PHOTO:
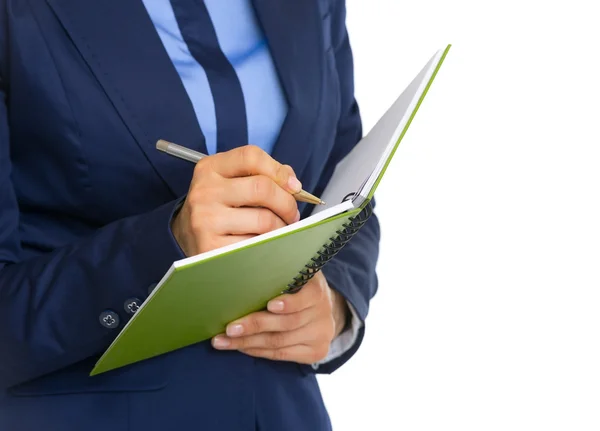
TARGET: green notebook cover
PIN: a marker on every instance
(195, 301)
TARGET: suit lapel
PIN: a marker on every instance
(119, 43)
(294, 33)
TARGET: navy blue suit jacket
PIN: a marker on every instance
(86, 90)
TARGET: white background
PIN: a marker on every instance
(488, 310)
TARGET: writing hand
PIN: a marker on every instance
(233, 196)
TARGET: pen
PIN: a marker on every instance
(195, 156)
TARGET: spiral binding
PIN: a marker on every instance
(329, 251)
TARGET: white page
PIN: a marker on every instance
(361, 167)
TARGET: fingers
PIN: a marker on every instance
(243, 177)
(301, 329)
(243, 221)
(272, 340)
(264, 321)
(269, 340)
(261, 191)
(311, 294)
(252, 160)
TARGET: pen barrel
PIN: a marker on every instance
(195, 156)
(181, 152)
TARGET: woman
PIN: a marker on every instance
(92, 215)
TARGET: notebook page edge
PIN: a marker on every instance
(429, 69)
(308, 221)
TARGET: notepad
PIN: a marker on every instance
(200, 295)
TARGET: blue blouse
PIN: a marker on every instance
(241, 40)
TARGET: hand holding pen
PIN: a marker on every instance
(195, 156)
(234, 196)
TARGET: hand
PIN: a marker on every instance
(296, 327)
(233, 196)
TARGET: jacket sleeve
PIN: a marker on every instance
(50, 305)
(352, 271)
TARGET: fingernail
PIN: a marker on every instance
(294, 184)
(221, 342)
(275, 306)
(234, 330)
(297, 216)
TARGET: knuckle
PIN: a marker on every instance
(202, 167)
(240, 343)
(255, 325)
(263, 187)
(194, 197)
(256, 187)
(198, 219)
(280, 355)
(275, 340)
(253, 150)
(266, 221)
(203, 193)
(196, 225)
(250, 155)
